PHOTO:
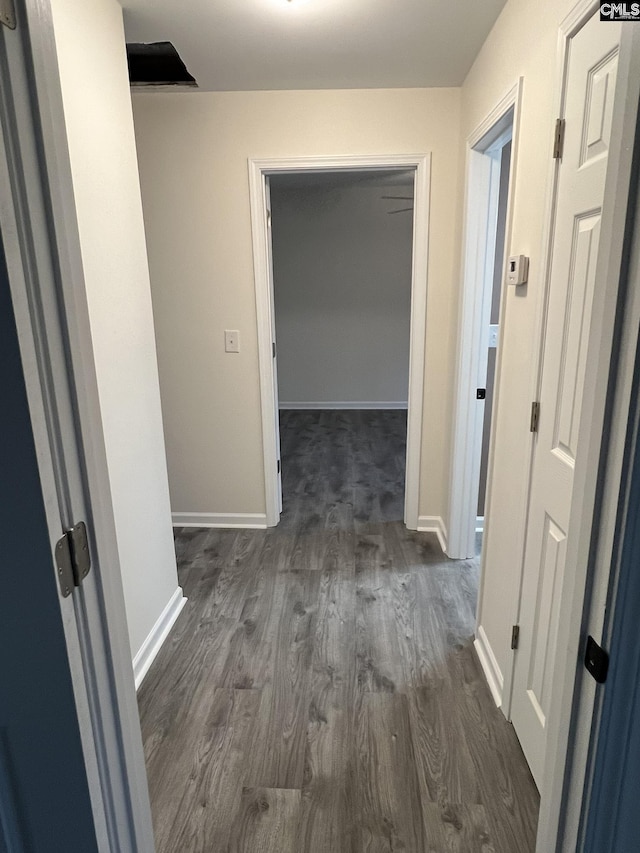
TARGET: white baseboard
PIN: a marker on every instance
(489, 665)
(348, 405)
(159, 633)
(252, 520)
(479, 523)
(434, 524)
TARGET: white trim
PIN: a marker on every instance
(158, 634)
(489, 664)
(258, 171)
(482, 182)
(493, 125)
(245, 520)
(434, 524)
(348, 405)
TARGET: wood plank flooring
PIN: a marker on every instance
(319, 693)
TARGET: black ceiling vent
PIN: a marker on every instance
(157, 64)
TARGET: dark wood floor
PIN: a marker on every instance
(319, 693)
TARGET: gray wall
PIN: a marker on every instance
(342, 273)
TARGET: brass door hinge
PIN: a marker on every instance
(535, 416)
(558, 139)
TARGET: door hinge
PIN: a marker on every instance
(535, 416)
(273, 348)
(8, 14)
(279, 466)
(558, 139)
(515, 636)
(73, 560)
(268, 218)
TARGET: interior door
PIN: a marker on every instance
(589, 93)
(267, 191)
(613, 817)
(44, 794)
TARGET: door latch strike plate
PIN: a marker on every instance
(596, 661)
(8, 14)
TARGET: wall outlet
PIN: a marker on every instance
(231, 340)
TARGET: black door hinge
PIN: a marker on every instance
(515, 636)
(535, 416)
(558, 139)
(73, 560)
(481, 393)
(8, 14)
(279, 466)
(273, 348)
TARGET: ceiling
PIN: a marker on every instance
(244, 45)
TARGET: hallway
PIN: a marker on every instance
(319, 693)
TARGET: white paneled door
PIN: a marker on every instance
(589, 94)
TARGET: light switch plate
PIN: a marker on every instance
(231, 340)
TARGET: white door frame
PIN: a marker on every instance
(258, 172)
(40, 234)
(482, 189)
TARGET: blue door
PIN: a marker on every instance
(44, 797)
(613, 818)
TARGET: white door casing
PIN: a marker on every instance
(276, 393)
(259, 171)
(40, 235)
(478, 262)
(589, 88)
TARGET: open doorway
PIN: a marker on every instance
(342, 259)
(365, 170)
(487, 218)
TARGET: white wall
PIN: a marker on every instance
(193, 150)
(95, 88)
(504, 58)
(342, 281)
